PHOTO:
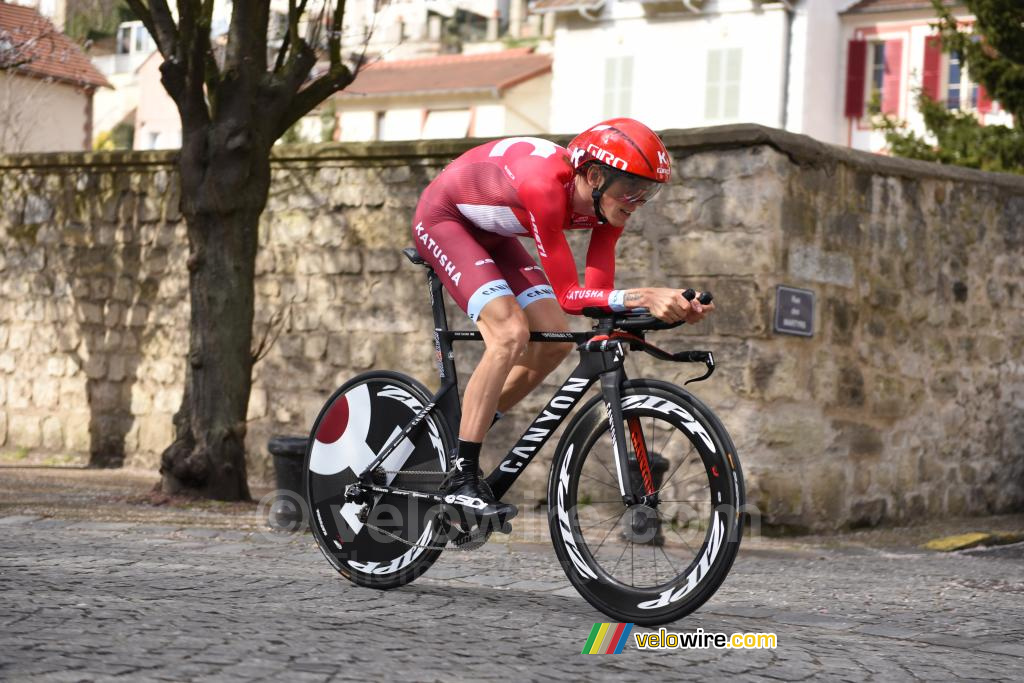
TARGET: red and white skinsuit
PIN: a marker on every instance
(468, 221)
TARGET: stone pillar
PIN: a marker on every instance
(434, 28)
(492, 26)
(548, 30)
(533, 25)
(516, 12)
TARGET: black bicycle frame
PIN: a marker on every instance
(604, 363)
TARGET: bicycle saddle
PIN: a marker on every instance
(414, 256)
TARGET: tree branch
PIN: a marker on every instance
(304, 101)
(211, 74)
(334, 40)
(291, 36)
(247, 36)
(23, 46)
(159, 21)
(192, 49)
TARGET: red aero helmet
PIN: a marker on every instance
(625, 144)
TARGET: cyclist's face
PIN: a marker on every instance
(625, 195)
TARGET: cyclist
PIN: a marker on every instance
(466, 226)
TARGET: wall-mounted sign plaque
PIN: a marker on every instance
(794, 311)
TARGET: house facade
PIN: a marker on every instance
(450, 96)
(46, 101)
(157, 122)
(693, 63)
(117, 107)
(807, 66)
(892, 50)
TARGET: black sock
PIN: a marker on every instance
(468, 458)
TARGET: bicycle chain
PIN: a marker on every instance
(421, 473)
(473, 539)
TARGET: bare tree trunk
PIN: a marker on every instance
(207, 457)
(232, 109)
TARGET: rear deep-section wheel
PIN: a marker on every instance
(355, 424)
(653, 562)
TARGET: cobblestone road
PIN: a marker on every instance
(138, 601)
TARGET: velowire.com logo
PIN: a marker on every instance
(610, 639)
(607, 639)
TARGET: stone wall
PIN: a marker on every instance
(907, 401)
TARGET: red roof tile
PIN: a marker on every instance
(449, 73)
(49, 53)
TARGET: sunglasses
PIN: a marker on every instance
(631, 189)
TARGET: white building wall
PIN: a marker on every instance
(157, 123)
(112, 105)
(527, 107)
(489, 120)
(816, 86)
(42, 116)
(670, 64)
(358, 125)
(401, 123)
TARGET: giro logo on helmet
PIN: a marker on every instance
(606, 157)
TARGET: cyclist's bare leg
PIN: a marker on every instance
(506, 332)
(540, 358)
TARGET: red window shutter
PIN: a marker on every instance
(932, 75)
(891, 82)
(984, 101)
(856, 72)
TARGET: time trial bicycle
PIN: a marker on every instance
(645, 493)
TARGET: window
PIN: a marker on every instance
(124, 39)
(400, 124)
(722, 92)
(873, 69)
(618, 86)
(877, 69)
(446, 123)
(960, 92)
(946, 79)
(143, 43)
(133, 38)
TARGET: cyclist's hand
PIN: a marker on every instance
(696, 310)
(669, 305)
(665, 304)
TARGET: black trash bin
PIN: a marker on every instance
(288, 511)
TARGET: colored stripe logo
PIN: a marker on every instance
(607, 639)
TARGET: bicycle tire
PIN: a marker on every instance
(358, 420)
(663, 601)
